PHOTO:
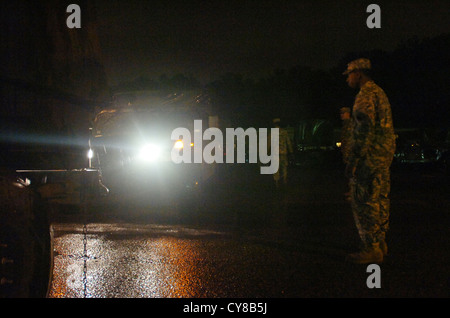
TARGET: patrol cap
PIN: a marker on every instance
(359, 64)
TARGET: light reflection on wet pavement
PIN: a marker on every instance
(293, 248)
(128, 260)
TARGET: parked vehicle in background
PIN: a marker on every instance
(316, 143)
(416, 146)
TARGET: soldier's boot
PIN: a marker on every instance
(368, 255)
(384, 247)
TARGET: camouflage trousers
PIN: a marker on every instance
(282, 172)
(370, 189)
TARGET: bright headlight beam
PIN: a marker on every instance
(90, 154)
(149, 153)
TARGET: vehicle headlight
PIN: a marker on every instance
(149, 153)
(90, 154)
(178, 144)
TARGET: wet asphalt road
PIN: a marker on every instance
(249, 240)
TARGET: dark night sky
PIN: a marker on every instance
(209, 38)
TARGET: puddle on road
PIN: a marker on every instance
(128, 260)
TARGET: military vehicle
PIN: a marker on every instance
(132, 142)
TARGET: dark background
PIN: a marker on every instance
(256, 59)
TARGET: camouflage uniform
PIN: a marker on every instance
(346, 133)
(371, 153)
(284, 149)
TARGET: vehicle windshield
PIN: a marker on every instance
(142, 122)
(148, 111)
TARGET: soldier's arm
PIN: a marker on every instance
(365, 116)
(289, 144)
(346, 131)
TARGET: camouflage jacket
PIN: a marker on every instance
(373, 137)
(346, 135)
(284, 143)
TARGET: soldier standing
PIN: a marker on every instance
(285, 148)
(371, 153)
(346, 138)
(345, 133)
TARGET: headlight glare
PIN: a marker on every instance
(90, 154)
(178, 144)
(149, 153)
